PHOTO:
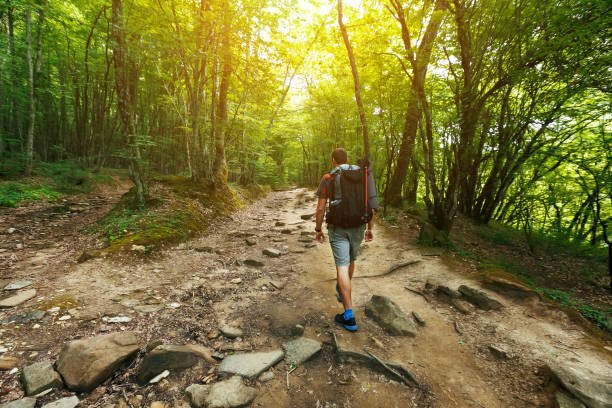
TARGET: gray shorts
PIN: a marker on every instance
(345, 243)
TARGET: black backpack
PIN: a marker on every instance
(348, 206)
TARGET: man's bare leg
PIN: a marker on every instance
(344, 274)
(351, 269)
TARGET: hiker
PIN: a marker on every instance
(352, 198)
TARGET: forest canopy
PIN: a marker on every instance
(495, 109)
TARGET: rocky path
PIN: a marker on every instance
(244, 315)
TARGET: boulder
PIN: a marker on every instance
(40, 376)
(445, 290)
(18, 299)
(196, 394)
(563, 400)
(25, 317)
(301, 349)
(230, 394)
(21, 403)
(479, 298)
(250, 365)
(86, 363)
(68, 402)
(594, 390)
(389, 316)
(166, 357)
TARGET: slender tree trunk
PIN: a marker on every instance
(126, 100)
(220, 165)
(349, 49)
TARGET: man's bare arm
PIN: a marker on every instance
(319, 217)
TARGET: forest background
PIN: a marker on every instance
(495, 110)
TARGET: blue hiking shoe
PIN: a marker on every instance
(348, 324)
(338, 294)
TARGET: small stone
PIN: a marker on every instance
(278, 285)
(236, 281)
(11, 230)
(267, 376)
(479, 298)
(307, 216)
(250, 241)
(230, 393)
(7, 363)
(297, 330)
(389, 316)
(116, 319)
(18, 299)
(271, 252)
(68, 402)
(65, 317)
(218, 356)
(213, 334)
(17, 285)
(253, 262)
(19, 246)
(196, 394)
(159, 377)
(498, 352)
(165, 357)
(139, 248)
(40, 376)
(279, 224)
(21, 403)
(301, 349)
(230, 332)
(175, 305)
(287, 231)
(418, 319)
(250, 365)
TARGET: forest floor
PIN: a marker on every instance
(184, 293)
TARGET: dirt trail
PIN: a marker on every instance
(183, 294)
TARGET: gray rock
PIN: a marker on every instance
(39, 377)
(498, 351)
(267, 376)
(230, 332)
(479, 298)
(68, 402)
(389, 316)
(563, 400)
(230, 394)
(165, 357)
(301, 349)
(418, 319)
(86, 363)
(17, 285)
(445, 290)
(250, 365)
(307, 216)
(253, 262)
(18, 299)
(22, 403)
(594, 390)
(22, 318)
(271, 252)
(196, 394)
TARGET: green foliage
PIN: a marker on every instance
(599, 317)
(12, 193)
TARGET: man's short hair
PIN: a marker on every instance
(340, 155)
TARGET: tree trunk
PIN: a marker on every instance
(349, 49)
(126, 87)
(220, 165)
(31, 95)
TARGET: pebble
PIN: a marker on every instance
(159, 377)
(175, 305)
(65, 317)
(117, 319)
(236, 281)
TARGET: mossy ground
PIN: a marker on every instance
(178, 210)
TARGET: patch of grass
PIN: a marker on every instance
(601, 318)
(13, 193)
(390, 219)
(559, 296)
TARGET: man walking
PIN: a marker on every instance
(352, 195)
